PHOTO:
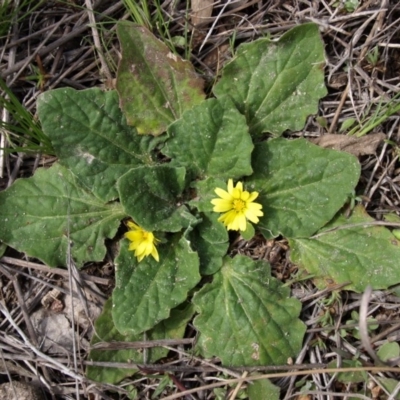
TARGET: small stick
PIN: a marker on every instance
(339, 109)
(22, 305)
(62, 368)
(238, 386)
(96, 40)
(363, 328)
(56, 271)
(140, 344)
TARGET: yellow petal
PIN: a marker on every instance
(242, 221)
(134, 236)
(221, 205)
(223, 194)
(145, 248)
(253, 196)
(132, 225)
(132, 246)
(228, 217)
(245, 196)
(232, 220)
(154, 253)
(234, 225)
(139, 256)
(236, 193)
(254, 206)
(252, 215)
(239, 186)
(230, 186)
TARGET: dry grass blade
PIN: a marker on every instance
(96, 40)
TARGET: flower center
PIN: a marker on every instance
(238, 205)
(146, 236)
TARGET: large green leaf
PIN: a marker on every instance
(301, 185)
(212, 139)
(155, 85)
(105, 331)
(150, 196)
(91, 137)
(246, 316)
(43, 215)
(277, 84)
(350, 250)
(145, 292)
(210, 240)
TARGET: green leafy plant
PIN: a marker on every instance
(372, 325)
(11, 12)
(178, 170)
(23, 131)
(373, 56)
(374, 117)
(347, 5)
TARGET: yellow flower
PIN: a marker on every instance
(143, 242)
(237, 206)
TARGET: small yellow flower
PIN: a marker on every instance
(143, 242)
(237, 206)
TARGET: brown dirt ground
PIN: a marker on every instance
(56, 40)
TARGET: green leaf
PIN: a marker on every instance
(145, 292)
(91, 138)
(150, 195)
(205, 192)
(212, 139)
(43, 214)
(277, 84)
(246, 316)
(389, 385)
(350, 250)
(263, 389)
(210, 240)
(347, 124)
(301, 185)
(350, 377)
(155, 85)
(249, 232)
(388, 350)
(105, 331)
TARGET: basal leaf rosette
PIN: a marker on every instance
(146, 292)
(49, 215)
(277, 84)
(350, 250)
(301, 186)
(255, 323)
(91, 138)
